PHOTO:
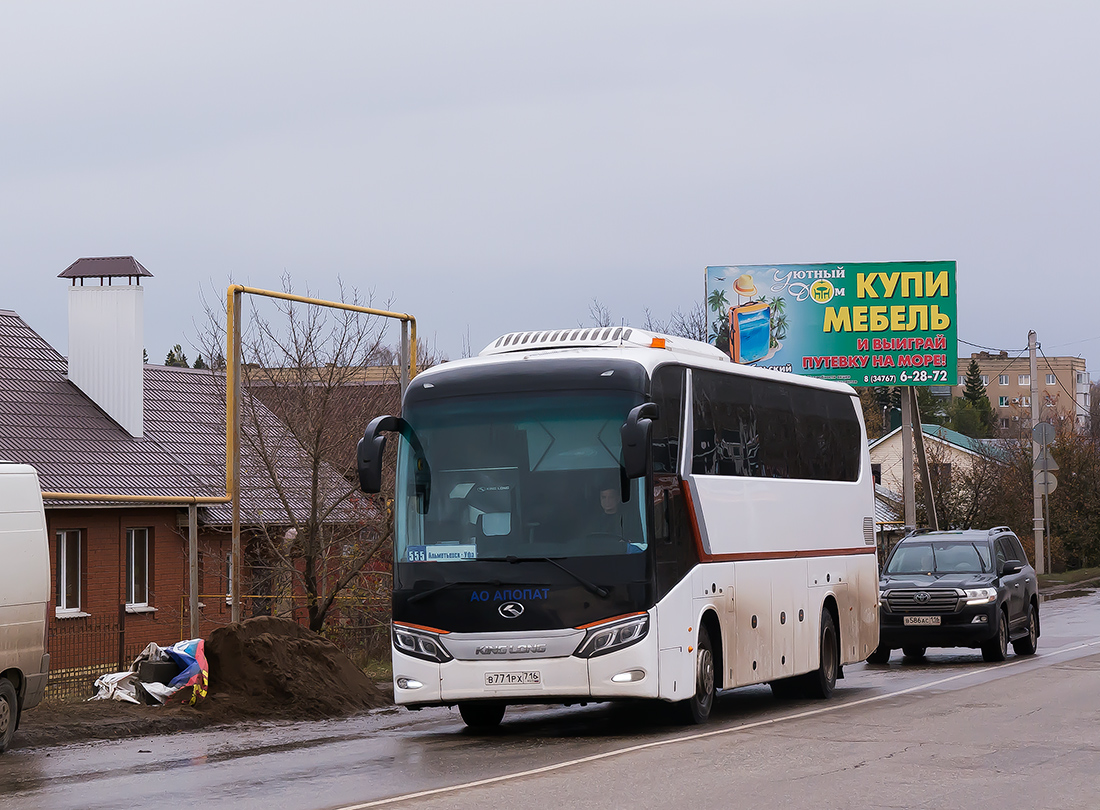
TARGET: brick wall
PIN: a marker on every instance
(103, 573)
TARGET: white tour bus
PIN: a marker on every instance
(606, 513)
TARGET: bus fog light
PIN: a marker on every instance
(408, 683)
(628, 677)
(983, 619)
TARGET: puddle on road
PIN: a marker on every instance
(1046, 597)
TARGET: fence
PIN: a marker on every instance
(82, 650)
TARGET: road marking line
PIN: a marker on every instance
(508, 777)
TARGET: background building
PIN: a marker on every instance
(1063, 386)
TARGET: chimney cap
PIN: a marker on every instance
(105, 267)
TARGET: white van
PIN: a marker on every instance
(24, 595)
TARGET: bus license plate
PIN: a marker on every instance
(511, 678)
(921, 620)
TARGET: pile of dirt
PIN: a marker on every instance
(270, 667)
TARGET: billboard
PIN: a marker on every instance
(865, 324)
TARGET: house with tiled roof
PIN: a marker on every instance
(101, 421)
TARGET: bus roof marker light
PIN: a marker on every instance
(657, 343)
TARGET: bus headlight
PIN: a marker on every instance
(613, 634)
(419, 643)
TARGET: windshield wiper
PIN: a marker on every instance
(416, 597)
(599, 590)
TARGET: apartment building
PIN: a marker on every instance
(1063, 385)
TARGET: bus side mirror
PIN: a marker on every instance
(635, 435)
(368, 453)
(368, 458)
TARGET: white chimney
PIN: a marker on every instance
(106, 336)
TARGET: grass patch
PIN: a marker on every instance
(379, 668)
(1069, 577)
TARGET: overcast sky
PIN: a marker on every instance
(490, 167)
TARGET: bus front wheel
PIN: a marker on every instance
(821, 682)
(696, 709)
(483, 715)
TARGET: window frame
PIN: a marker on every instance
(1023, 379)
(131, 568)
(1052, 379)
(1002, 379)
(64, 565)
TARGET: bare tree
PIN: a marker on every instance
(691, 324)
(599, 314)
(312, 378)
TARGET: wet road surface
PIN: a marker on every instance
(600, 755)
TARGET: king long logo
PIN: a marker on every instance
(510, 610)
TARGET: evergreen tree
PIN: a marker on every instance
(176, 357)
(975, 395)
(200, 363)
(144, 356)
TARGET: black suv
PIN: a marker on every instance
(958, 589)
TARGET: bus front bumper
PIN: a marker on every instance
(627, 673)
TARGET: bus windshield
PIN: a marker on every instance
(523, 475)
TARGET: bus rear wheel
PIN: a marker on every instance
(696, 709)
(482, 715)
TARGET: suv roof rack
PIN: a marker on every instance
(999, 530)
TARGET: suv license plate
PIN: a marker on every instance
(921, 620)
(511, 678)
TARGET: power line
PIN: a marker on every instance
(1074, 342)
(989, 348)
(1072, 399)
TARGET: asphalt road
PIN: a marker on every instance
(951, 731)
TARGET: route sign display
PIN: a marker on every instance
(865, 324)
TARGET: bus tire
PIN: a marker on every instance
(9, 713)
(821, 682)
(696, 709)
(482, 715)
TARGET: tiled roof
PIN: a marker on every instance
(46, 421)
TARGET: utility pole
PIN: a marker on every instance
(908, 491)
(1036, 491)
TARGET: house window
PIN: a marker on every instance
(1002, 379)
(68, 570)
(1052, 380)
(1025, 379)
(1004, 423)
(985, 379)
(1082, 378)
(876, 473)
(137, 566)
(1025, 402)
(1002, 402)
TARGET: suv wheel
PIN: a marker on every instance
(996, 649)
(1026, 645)
(881, 655)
